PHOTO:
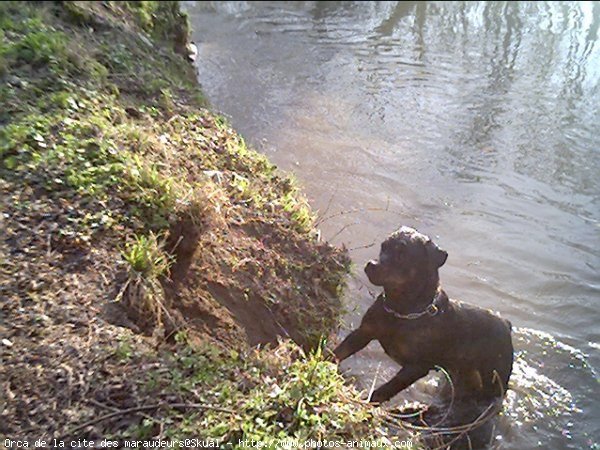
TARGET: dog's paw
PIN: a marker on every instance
(330, 356)
(379, 396)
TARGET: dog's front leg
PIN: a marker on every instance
(355, 341)
(404, 378)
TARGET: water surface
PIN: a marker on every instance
(476, 123)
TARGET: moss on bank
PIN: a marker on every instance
(146, 245)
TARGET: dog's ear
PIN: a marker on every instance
(437, 256)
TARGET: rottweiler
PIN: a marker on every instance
(421, 329)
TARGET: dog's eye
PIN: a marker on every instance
(399, 247)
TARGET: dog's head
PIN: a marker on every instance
(406, 256)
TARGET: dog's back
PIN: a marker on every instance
(483, 343)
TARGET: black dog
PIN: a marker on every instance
(420, 328)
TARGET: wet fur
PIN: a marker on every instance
(472, 344)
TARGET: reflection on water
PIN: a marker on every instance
(477, 123)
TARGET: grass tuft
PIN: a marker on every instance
(143, 294)
(146, 257)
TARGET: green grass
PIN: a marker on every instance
(300, 212)
(267, 396)
(39, 48)
(148, 265)
(146, 256)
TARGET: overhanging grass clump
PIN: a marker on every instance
(146, 257)
(131, 211)
(148, 264)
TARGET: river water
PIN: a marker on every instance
(476, 123)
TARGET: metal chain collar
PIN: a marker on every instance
(431, 310)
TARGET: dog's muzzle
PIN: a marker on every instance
(373, 271)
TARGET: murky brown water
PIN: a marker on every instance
(477, 123)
